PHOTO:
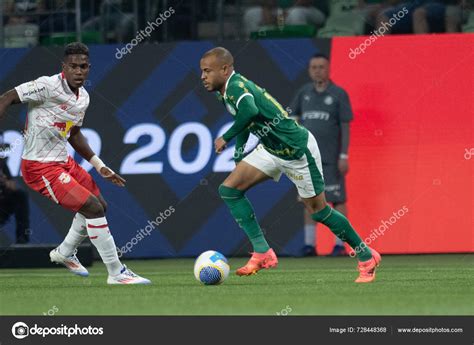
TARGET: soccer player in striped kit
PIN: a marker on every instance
(286, 147)
(56, 110)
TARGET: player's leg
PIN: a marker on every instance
(232, 192)
(307, 175)
(321, 212)
(254, 169)
(335, 192)
(77, 232)
(90, 204)
(55, 182)
(339, 249)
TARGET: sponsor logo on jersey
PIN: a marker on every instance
(316, 115)
(64, 127)
(33, 91)
(64, 178)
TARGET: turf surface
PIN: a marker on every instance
(405, 285)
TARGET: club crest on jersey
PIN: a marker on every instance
(64, 178)
(328, 100)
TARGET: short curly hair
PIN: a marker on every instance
(75, 48)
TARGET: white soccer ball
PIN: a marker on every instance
(211, 268)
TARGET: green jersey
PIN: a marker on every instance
(257, 112)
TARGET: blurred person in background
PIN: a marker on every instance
(416, 16)
(454, 18)
(13, 200)
(325, 110)
(21, 19)
(303, 12)
(262, 15)
(17, 11)
(271, 13)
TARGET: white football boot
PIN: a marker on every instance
(72, 263)
(126, 276)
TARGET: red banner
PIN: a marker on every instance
(410, 185)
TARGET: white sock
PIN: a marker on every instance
(310, 234)
(99, 233)
(77, 233)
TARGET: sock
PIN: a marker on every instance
(100, 236)
(309, 234)
(77, 233)
(244, 215)
(341, 227)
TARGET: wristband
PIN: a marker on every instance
(343, 156)
(97, 163)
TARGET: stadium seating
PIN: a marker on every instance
(469, 26)
(21, 35)
(345, 19)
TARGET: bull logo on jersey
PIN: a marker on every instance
(64, 127)
(64, 178)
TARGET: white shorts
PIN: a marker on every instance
(306, 173)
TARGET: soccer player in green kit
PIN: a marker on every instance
(285, 147)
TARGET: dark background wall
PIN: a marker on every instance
(151, 120)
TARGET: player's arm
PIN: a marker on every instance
(7, 99)
(80, 144)
(33, 91)
(246, 112)
(240, 142)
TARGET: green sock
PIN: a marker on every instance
(244, 215)
(341, 227)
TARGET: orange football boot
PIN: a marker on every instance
(257, 262)
(367, 268)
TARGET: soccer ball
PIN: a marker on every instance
(211, 268)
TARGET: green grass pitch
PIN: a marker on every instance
(405, 285)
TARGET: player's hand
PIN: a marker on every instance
(112, 177)
(343, 165)
(219, 144)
